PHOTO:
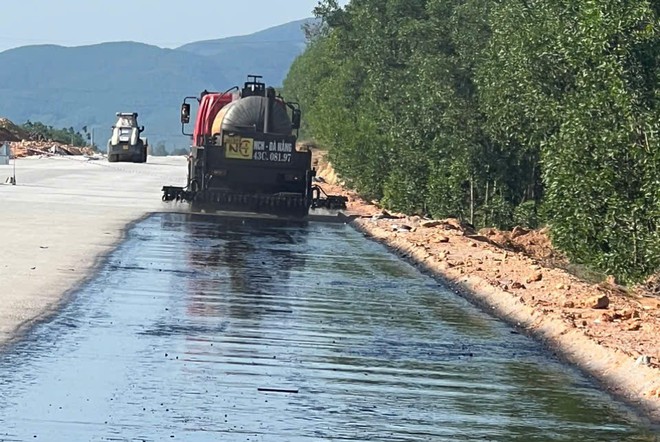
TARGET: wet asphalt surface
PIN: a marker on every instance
(201, 329)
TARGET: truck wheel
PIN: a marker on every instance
(112, 158)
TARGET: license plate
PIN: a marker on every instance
(125, 147)
(273, 151)
(273, 157)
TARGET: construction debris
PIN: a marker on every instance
(11, 132)
(22, 144)
(25, 148)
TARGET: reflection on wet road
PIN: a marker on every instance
(192, 320)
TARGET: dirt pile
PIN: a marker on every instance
(24, 145)
(11, 132)
(533, 243)
(24, 148)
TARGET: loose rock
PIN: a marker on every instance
(431, 224)
(607, 318)
(599, 302)
(627, 314)
(518, 232)
(536, 277)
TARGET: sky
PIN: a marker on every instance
(164, 23)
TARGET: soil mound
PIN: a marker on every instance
(11, 132)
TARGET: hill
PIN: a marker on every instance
(86, 85)
(269, 52)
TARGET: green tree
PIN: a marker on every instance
(497, 112)
(579, 84)
(40, 131)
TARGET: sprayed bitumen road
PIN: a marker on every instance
(201, 328)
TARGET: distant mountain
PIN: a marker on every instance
(269, 52)
(86, 85)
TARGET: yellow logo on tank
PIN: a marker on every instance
(238, 148)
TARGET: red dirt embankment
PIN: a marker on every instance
(608, 330)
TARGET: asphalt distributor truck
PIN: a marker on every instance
(244, 155)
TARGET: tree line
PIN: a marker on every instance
(498, 112)
(161, 150)
(41, 131)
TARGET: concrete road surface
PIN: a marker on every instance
(62, 215)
